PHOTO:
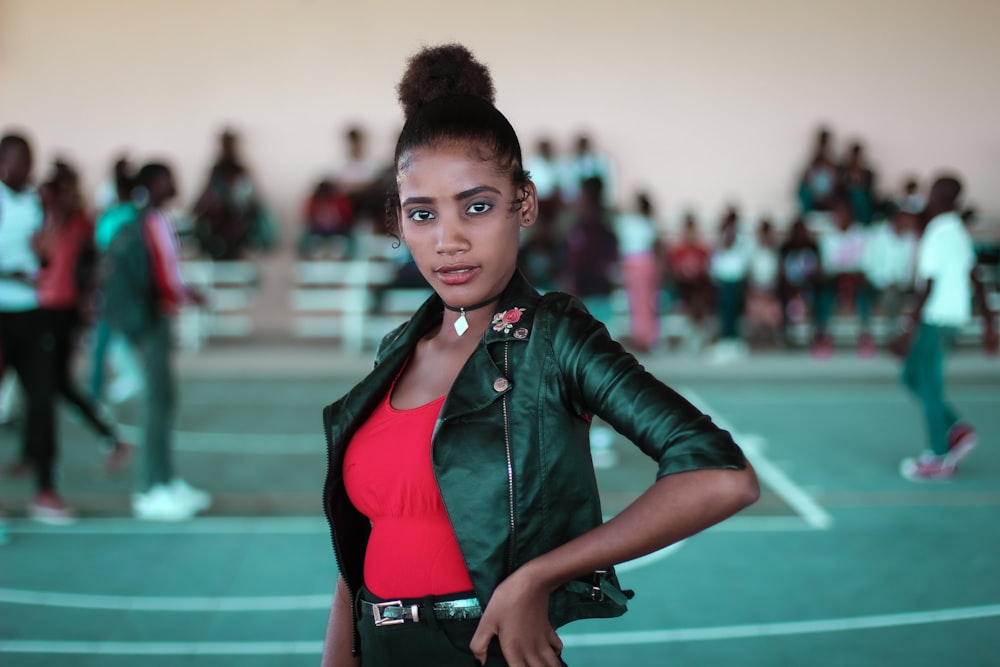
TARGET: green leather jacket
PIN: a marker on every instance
(511, 450)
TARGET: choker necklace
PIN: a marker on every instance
(462, 324)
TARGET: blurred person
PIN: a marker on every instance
(357, 176)
(106, 344)
(591, 252)
(540, 256)
(229, 218)
(948, 284)
(910, 199)
(763, 307)
(107, 194)
(143, 292)
(844, 285)
(890, 263)
(328, 218)
(65, 290)
(799, 278)
(638, 245)
(26, 336)
(544, 170)
(728, 266)
(687, 264)
(503, 543)
(858, 182)
(819, 182)
(586, 162)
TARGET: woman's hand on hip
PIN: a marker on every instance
(518, 614)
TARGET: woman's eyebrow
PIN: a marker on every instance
(417, 200)
(479, 189)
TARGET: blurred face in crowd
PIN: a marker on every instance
(15, 166)
(461, 219)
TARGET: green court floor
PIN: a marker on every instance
(842, 562)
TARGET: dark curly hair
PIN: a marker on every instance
(447, 95)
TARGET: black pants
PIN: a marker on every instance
(65, 327)
(437, 643)
(29, 348)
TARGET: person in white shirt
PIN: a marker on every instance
(763, 309)
(729, 265)
(26, 336)
(637, 246)
(947, 283)
(842, 251)
(545, 174)
(890, 261)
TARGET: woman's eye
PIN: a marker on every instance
(479, 208)
(420, 215)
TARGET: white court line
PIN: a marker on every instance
(238, 443)
(773, 477)
(274, 525)
(165, 603)
(760, 630)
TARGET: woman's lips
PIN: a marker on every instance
(456, 274)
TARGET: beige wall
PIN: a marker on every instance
(703, 102)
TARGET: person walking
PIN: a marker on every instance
(947, 283)
(143, 291)
(26, 336)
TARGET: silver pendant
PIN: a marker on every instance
(461, 324)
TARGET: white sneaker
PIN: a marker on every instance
(198, 499)
(160, 503)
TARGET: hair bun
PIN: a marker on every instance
(443, 71)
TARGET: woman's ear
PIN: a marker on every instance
(528, 211)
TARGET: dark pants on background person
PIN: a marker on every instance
(65, 326)
(29, 348)
(837, 289)
(923, 374)
(153, 347)
(729, 300)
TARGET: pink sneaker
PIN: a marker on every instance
(822, 347)
(48, 507)
(961, 441)
(119, 457)
(866, 346)
(927, 468)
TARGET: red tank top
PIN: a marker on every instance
(412, 551)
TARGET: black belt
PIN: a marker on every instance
(395, 612)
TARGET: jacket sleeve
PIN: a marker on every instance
(601, 378)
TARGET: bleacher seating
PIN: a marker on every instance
(230, 288)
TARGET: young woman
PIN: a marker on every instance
(463, 506)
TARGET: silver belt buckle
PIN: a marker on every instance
(380, 620)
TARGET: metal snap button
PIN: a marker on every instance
(501, 384)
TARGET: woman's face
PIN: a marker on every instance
(459, 220)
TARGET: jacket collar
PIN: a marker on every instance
(481, 380)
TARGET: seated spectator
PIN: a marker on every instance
(687, 265)
(229, 218)
(540, 255)
(798, 278)
(591, 253)
(819, 183)
(728, 267)
(544, 171)
(638, 247)
(909, 199)
(858, 182)
(358, 177)
(763, 308)
(585, 163)
(890, 263)
(842, 252)
(329, 223)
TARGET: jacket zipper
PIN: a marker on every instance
(355, 639)
(510, 464)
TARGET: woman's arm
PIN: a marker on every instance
(340, 631)
(675, 507)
